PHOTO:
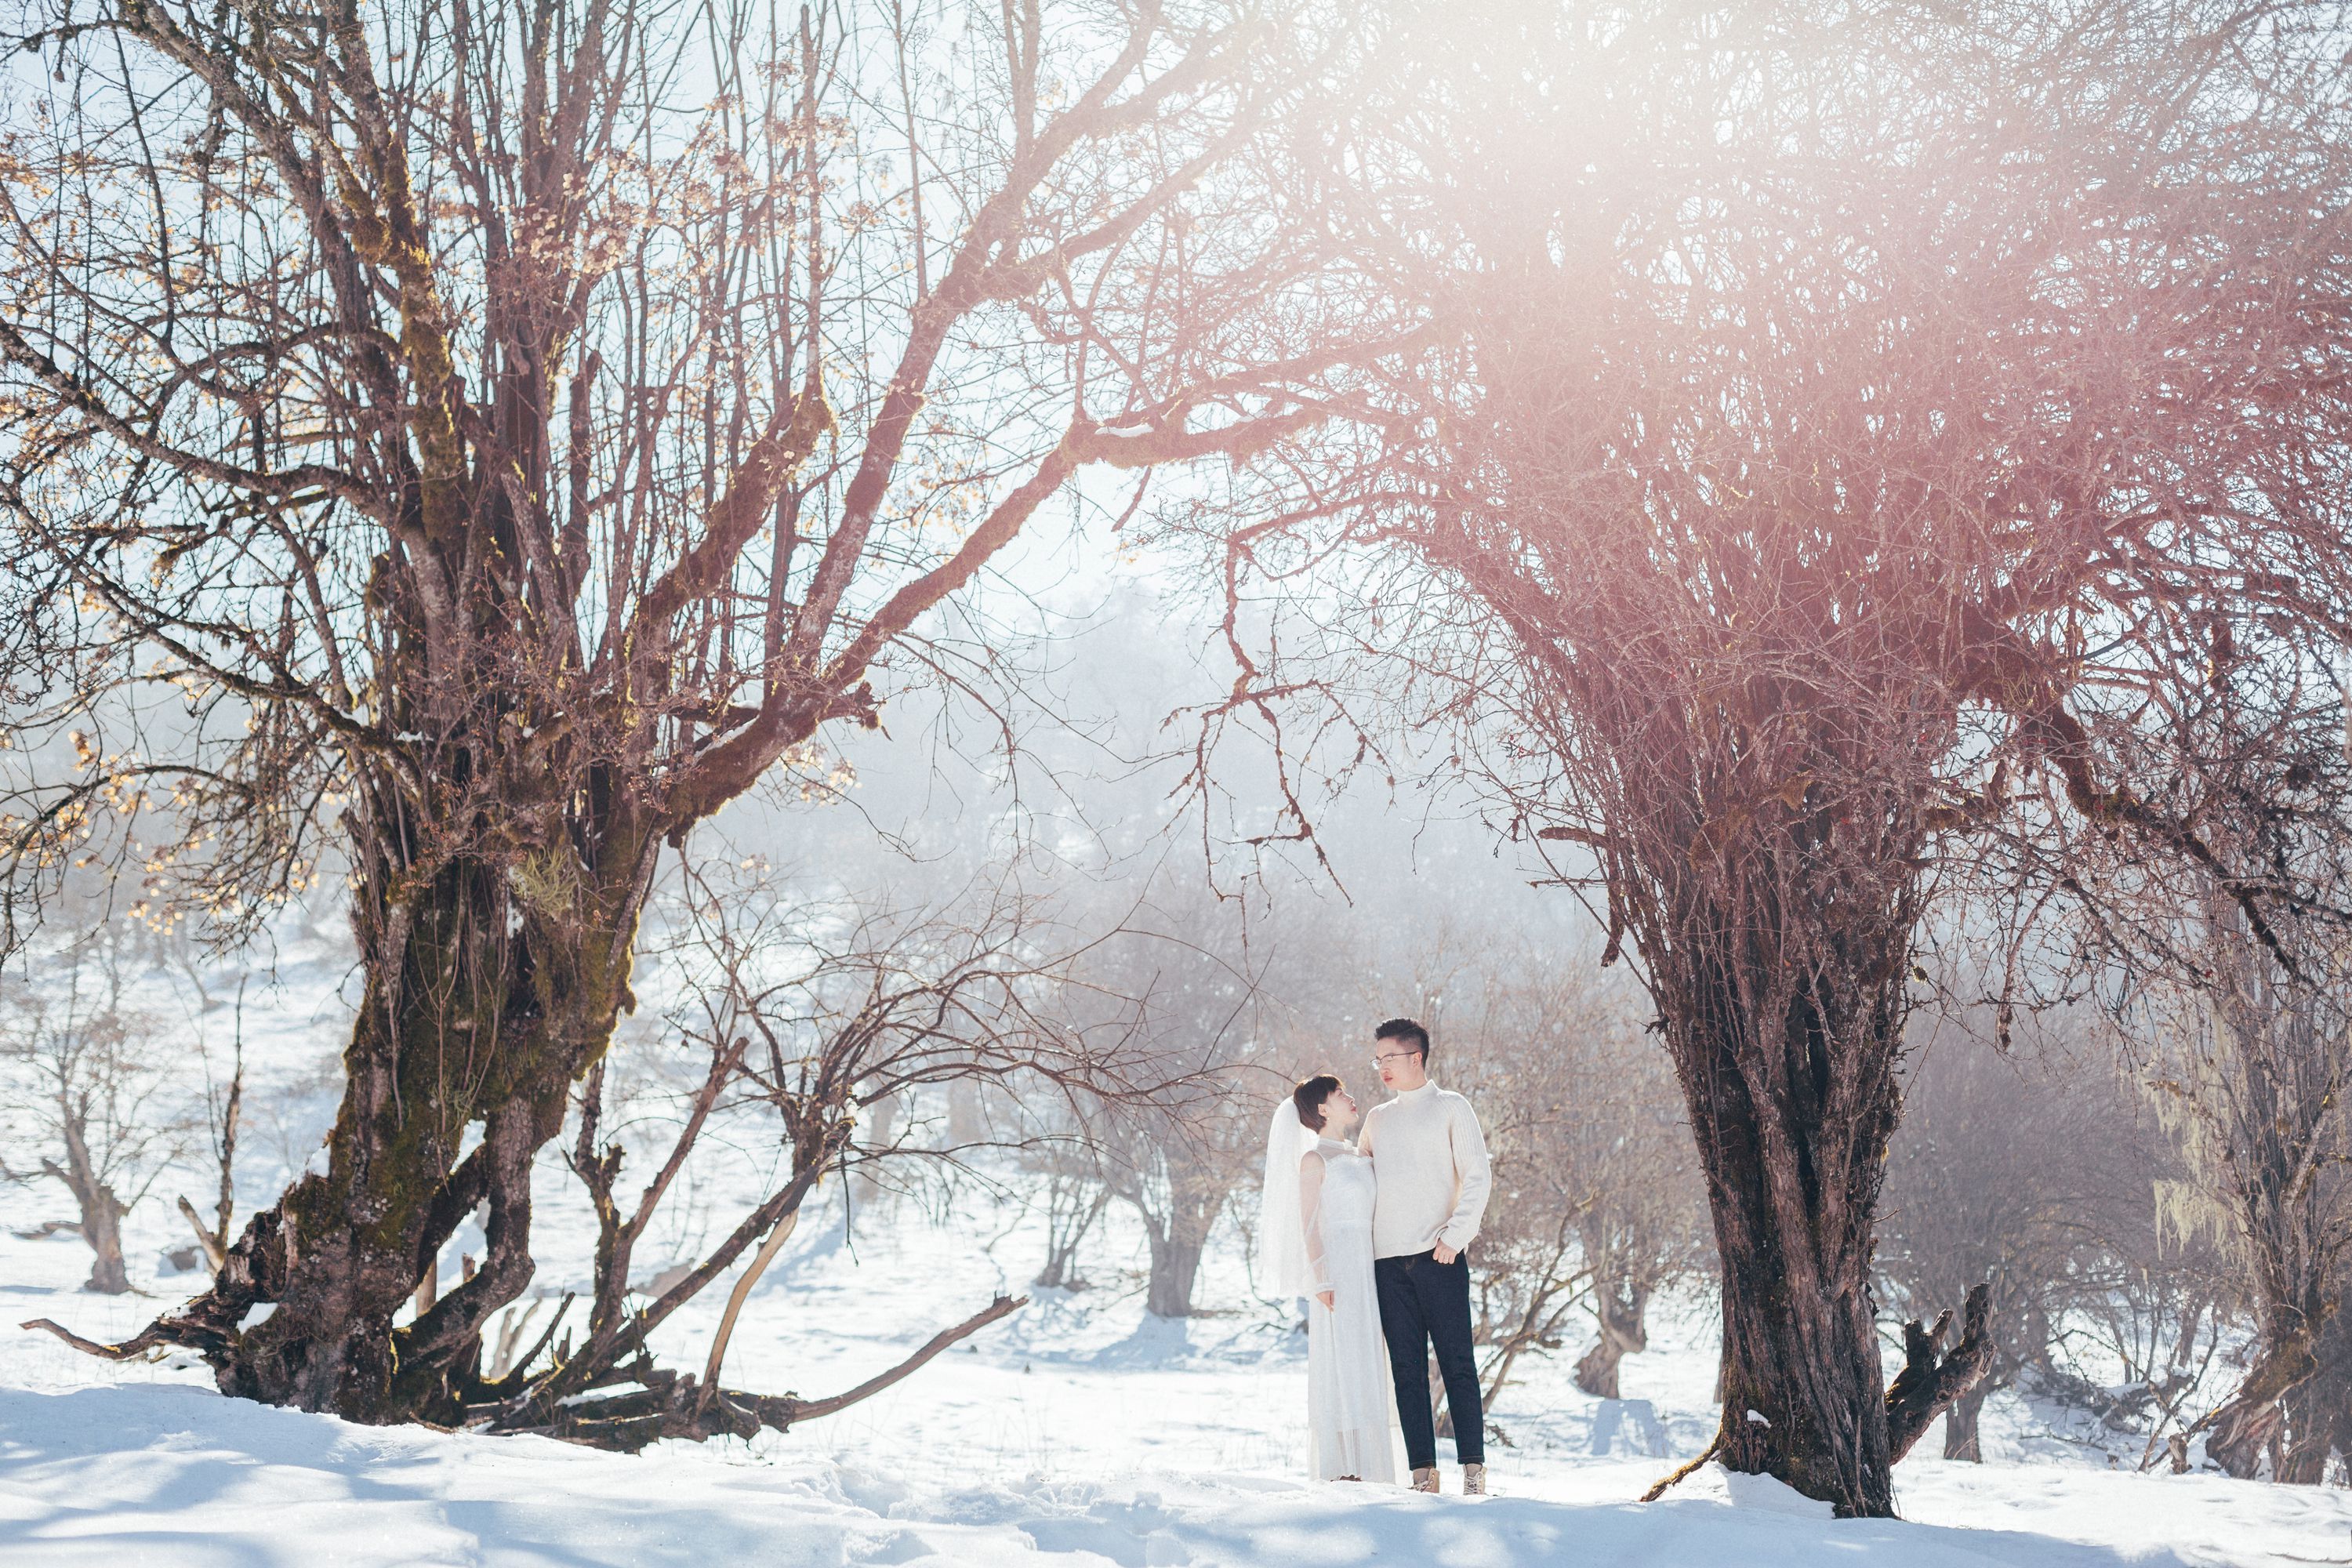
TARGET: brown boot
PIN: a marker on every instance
(1425, 1480)
(1474, 1480)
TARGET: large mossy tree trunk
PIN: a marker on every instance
(1784, 1005)
(497, 986)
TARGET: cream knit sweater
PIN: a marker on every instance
(1429, 1159)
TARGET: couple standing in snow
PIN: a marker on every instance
(1373, 1234)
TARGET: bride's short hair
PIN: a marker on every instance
(1309, 1098)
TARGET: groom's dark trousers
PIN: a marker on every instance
(1425, 1303)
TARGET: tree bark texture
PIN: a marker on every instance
(1934, 1379)
(2319, 1424)
(2246, 1428)
(2294, 1407)
(1792, 1097)
(492, 991)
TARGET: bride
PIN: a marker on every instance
(1317, 1228)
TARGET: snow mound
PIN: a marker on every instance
(1770, 1494)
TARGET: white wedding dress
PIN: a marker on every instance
(1351, 1405)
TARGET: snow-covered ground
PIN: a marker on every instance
(1080, 1432)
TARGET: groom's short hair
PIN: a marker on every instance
(1405, 1029)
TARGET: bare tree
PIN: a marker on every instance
(223, 1110)
(1646, 1230)
(1812, 504)
(91, 1092)
(1074, 1196)
(799, 1017)
(1197, 971)
(1597, 1201)
(502, 436)
(1176, 1166)
(2148, 1321)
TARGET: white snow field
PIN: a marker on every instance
(1078, 1433)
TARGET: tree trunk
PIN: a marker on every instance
(2241, 1434)
(102, 1211)
(1790, 1080)
(2319, 1411)
(1801, 1374)
(504, 984)
(1623, 1332)
(2306, 1445)
(101, 1226)
(1596, 1370)
(1175, 1264)
(1961, 1439)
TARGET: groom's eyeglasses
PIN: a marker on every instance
(1395, 1056)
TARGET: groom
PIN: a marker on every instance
(1429, 1167)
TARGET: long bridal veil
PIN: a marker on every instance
(1282, 1225)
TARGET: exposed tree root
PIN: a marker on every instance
(669, 1403)
(1685, 1473)
(128, 1349)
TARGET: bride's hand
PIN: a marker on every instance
(1329, 1299)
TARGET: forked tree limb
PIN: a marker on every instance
(1932, 1377)
(735, 1298)
(210, 1243)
